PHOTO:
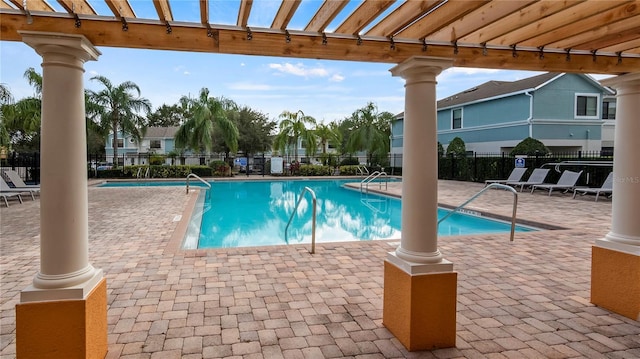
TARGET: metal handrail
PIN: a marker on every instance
(313, 220)
(197, 177)
(372, 177)
(492, 185)
(362, 170)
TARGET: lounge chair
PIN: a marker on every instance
(606, 188)
(4, 188)
(515, 176)
(6, 195)
(566, 182)
(17, 181)
(537, 177)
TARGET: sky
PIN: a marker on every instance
(326, 90)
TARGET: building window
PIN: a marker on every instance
(120, 143)
(609, 110)
(456, 118)
(154, 144)
(587, 105)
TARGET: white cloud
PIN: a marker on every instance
(336, 78)
(299, 69)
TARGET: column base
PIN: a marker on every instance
(64, 328)
(615, 281)
(420, 309)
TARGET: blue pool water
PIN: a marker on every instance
(255, 213)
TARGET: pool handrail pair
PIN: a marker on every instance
(492, 185)
(313, 219)
(198, 178)
(372, 177)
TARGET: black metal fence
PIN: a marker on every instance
(27, 165)
(475, 167)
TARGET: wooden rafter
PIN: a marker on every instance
(368, 11)
(164, 10)
(404, 15)
(555, 21)
(623, 46)
(587, 23)
(478, 18)
(243, 13)
(77, 7)
(4, 5)
(327, 12)
(33, 5)
(285, 13)
(105, 32)
(528, 15)
(204, 11)
(595, 39)
(440, 17)
(121, 8)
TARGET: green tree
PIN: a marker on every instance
(22, 118)
(6, 100)
(197, 131)
(166, 116)
(370, 132)
(118, 108)
(530, 146)
(293, 128)
(328, 134)
(457, 147)
(255, 131)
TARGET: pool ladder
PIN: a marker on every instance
(199, 179)
(141, 175)
(492, 185)
(313, 219)
(364, 184)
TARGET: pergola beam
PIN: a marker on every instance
(164, 10)
(77, 7)
(363, 15)
(440, 17)
(243, 13)
(327, 12)
(285, 13)
(234, 40)
(121, 8)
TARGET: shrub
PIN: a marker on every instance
(349, 161)
(156, 160)
(202, 171)
(315, 170)
(457, 147)
(530, 146)
(220, 168)
(348, 170)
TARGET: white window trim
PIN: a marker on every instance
(461, 118)
(598, 106)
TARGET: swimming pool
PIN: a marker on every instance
(255, 213)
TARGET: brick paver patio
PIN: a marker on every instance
(526, 299)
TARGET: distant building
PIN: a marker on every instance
(567, 112)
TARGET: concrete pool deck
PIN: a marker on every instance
(526, 299)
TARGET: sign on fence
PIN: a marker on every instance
(519, 162)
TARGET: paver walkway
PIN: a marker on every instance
(526, 299)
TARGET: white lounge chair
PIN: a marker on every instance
(566, 182)
(17, 181)
(515, 176)
(537, 177)
(4, 188)
(6, 195)
(606, 188)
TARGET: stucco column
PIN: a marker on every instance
(615, 273)
(419, 242)
(64, 223)
(420, 287)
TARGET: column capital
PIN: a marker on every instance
(421, 68)
(77, 46)
(628, 83)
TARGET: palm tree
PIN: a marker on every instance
(197, 131)
(327, 134)
(6, 99)
(118, 107)
(21, 120)
(292, 128)
(370, 132)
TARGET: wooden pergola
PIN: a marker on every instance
(587, 36)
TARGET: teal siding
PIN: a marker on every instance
(397, 128)
(556, 100)
(397, 142)
(503, 110)
(519, 132)
(562, 132)
(168, 145)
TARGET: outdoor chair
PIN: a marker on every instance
(17, 181)
(4, 188)
(567, 182)
(6, 195)
(537, 177)
(606, 188)
(515, 176)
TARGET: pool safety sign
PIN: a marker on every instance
(276, 165)
(519, 162)
(242, 161)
